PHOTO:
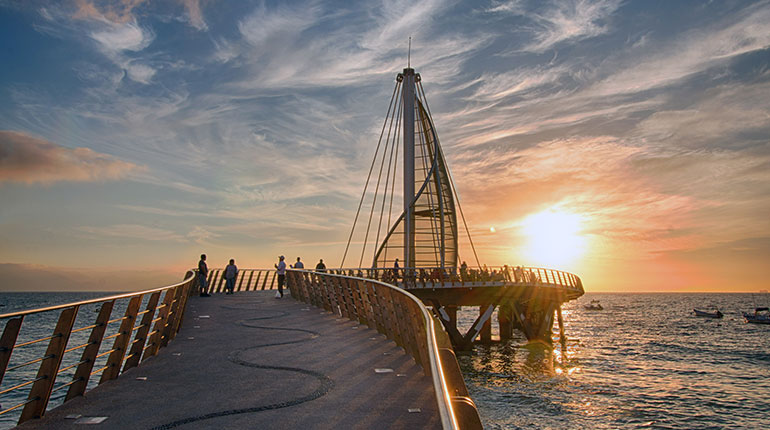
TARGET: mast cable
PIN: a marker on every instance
(371, 168)
(374, 204)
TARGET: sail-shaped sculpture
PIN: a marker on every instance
(432, 239)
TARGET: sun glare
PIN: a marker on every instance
(553, 238)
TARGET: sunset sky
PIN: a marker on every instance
(625, 141)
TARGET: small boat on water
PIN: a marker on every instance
(760, 316)
(707, 314)
(594, 306)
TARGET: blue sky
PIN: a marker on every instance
(139, 134)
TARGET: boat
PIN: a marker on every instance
(707, 314)
(760, 316)
(594, 306)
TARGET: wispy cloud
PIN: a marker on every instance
(31, 160)
(555, 22)
(691, 53)
(133, 231)
(123, 11)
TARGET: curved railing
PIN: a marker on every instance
(435, 277)
(423, 277)
(82, 328)
(403, 318)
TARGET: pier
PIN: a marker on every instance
(341, 352)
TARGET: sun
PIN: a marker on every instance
(553, 238)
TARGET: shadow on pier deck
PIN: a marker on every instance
(249, 360)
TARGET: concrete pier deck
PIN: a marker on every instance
(250, 361)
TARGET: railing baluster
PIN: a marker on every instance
(159, 325)
(115, 360)
(256, 282)
(137, 348)
(88, 359)
(10, 334)
(46, 375)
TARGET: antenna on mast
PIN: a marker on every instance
(409, 54)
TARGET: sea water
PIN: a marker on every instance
(643, 362)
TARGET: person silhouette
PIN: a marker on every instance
(203, 272)
(281, 271)
(320, 267)
(231, 273)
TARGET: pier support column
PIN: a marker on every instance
(486, 329)
(562, 335)
(505, 321)
(452, 312)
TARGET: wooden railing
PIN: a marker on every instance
(423, 277)
(247, 280)
(403, 318)
(435, 277)
(78, 349)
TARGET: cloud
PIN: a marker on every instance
(133, 231)
(31, 160)
(560, 21)
(115, 38)
(195, 14)
(123, 11)
(694, 52)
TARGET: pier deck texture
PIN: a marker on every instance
(250, 361)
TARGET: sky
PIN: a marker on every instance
(627, 142)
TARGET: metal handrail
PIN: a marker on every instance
(330, 293)
(97, 300)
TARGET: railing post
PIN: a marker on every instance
(7, 342)
(155, 339)
(49, 367)
(221, 282)
(214, 280)
(137, 348)
(358, 298)
(88, 359)
(324, 286)
(174, 318)
(115, 360)
(365, 289)
(256, 281)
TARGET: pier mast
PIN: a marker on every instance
(409, 230)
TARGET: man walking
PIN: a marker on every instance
(203, 273)
(231, 273)
(281, 271)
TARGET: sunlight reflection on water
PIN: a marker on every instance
(643, 362)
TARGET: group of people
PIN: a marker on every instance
(231, 274)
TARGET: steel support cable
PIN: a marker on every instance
(371, 168)
(385, 192)
(424, 150)
(384, 248)
(454, 189)
(393, 185)
(374, 201)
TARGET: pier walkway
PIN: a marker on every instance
(247, 361)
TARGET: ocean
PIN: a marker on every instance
(642, 362)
